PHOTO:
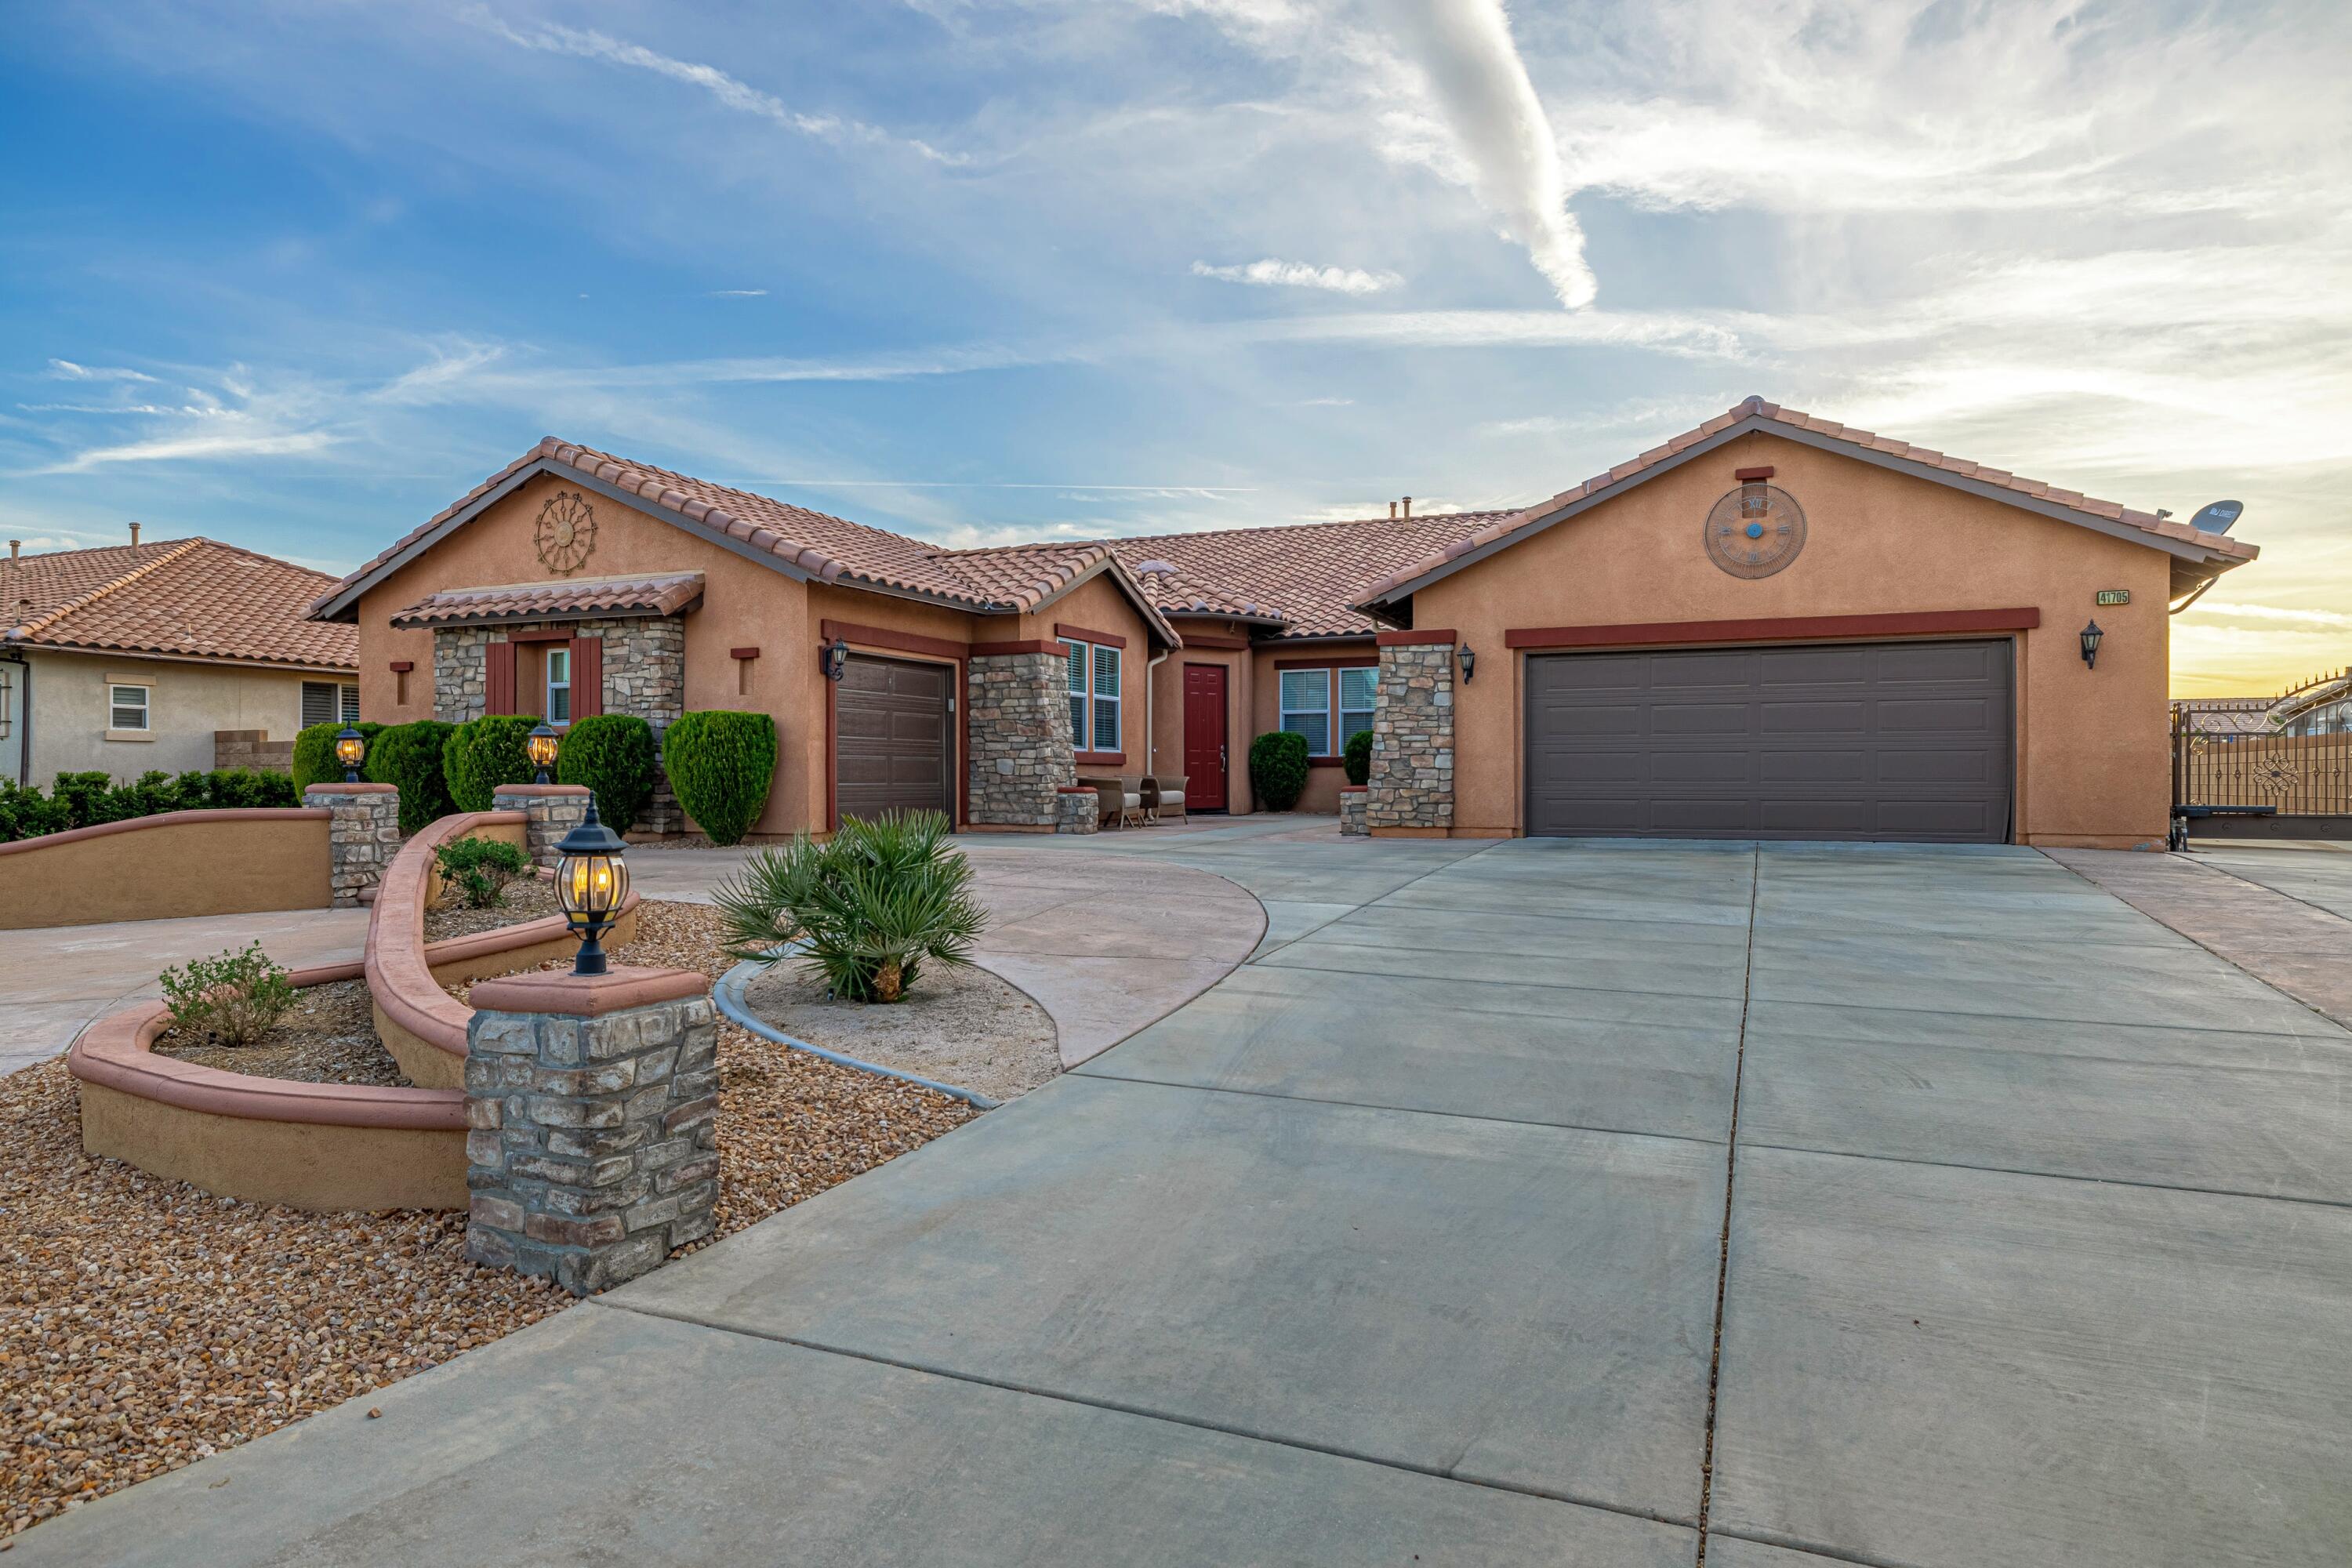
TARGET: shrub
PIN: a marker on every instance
(1356, 760)
(871, 904)
(720, 763)
(1277, 768)
(613, 755)
(234, 997)
(80, 800)
(86, 799)
(481, 868)
(27, 812)
(409, 758)
(314, 754)
(478, 756)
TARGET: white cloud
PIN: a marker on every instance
(66, 369)
(168, 448)
(1273, 272)
(2225, 611)
(737, 293)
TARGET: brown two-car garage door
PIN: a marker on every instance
(892, 743)
(1893, 741)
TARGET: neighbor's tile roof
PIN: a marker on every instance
(656, 594)
(196, 598)
(2232, 549)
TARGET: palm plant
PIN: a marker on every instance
(866, 907)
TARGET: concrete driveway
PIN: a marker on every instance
(1525, 1203)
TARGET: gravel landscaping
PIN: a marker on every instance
(957, 1025)
(144, 1324)
(327, 1036)
(526, 898)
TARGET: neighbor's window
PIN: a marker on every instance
(1306, 708)
(325, 702)
(1094, 697)
(129, 707)
(559, 686)
(7, 703)
(1356, 688)
(1077, 657)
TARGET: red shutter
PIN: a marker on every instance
(587, 677)
(499, 678)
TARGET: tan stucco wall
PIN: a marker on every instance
(1168, 708)
(215, 863)
(2092, 753)
(186, 703)
(1322, 793)
(1098, 605)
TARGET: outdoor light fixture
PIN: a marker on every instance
(349, 748)
(2092, 637)
(837, 660)
(591, 880)
(1469, 657)
(541, 749)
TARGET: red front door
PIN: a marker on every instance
(1205, 737)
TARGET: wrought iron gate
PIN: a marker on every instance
(2281, 770)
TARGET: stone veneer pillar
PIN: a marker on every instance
(593, 1104)
(1411, 781)
(1019, 707)
(1351, 809)
(361, 839)
(1080, 810)
(555, 810)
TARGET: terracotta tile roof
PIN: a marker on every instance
(658, 593)
(1302, 577)
(2231, 550)
(196, 598)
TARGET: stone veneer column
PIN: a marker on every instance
(555, 810)
(1080, 810)
(1019, 707)
(1411, 781)
(1351, 810)
(362, 838)
(592, 1102)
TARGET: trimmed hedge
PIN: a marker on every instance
(720, 763)
(614, 755)
(1277, 768)
(480, 756)
(314, 754)
(87, 799)
(1357, 758)
(409, 758)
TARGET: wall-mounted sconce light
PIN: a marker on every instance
(837, 660)
(1469, 658)
(2092, 637)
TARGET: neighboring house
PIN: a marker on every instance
(175, 654)
(2320, 706)
(1766, 626)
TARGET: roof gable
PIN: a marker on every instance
(187, 598)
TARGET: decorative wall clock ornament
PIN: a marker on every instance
(566, 533)
(1755, 530)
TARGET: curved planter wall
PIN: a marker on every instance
(165, 866)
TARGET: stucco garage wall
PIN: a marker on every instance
(186, 703)
(2093, 748)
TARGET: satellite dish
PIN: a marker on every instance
(2217, 517)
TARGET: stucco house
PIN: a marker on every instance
(174, 654)
(1769, 626)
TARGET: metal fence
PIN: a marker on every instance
(2290, 761)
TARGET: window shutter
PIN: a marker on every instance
(499, 678)
(587, 677)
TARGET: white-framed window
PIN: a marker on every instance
(1306, 708)
(330, 702)
(1356, 690)
(559, 686)
(126, 706)
(1093, 696)
(7, 703)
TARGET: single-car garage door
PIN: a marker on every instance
(1894, 741)
(891, 738)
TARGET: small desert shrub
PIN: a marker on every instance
(234, 997)
(409, 758)
(314, 754)
(872, 904)
(481, 868)
(480, 755)
(1356, 761)
(614, 755)
(1277, 766)
(720, 763)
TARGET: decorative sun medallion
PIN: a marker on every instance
(566, 532)
(1755, 530)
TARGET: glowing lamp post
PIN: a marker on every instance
(351, 749)
(591, 880)
(541, 748)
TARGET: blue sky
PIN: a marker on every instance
(295, 276)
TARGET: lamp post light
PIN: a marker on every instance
(2092, 637)
(350, 748)
(541, 748)
(591, 880)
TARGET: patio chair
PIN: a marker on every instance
(1122, 800)
(1163, 798)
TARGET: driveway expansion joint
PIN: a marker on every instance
(1730, 1174)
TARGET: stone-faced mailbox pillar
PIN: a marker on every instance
(592, 1102)
(555, 810)
(361, 839)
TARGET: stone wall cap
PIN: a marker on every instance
(540, 791)
(352, 789)
(586, 995)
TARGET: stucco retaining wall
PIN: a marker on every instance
(178, 863)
